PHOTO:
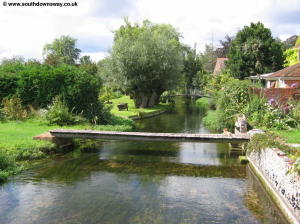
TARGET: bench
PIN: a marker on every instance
(123, 106)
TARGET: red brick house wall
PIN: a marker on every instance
(290, 82)
(279, 94)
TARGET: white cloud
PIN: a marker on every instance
(96, 56)
(25, 30)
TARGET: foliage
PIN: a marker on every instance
(38, 84)
(107, 94)
(209, 58)
(86, 60)
(9, 76)
(233, 97)
(203, 104)
(290, 42)
(217, 82)
(268, 140)
(291, 57)
(254, 51)
(145, 61)
(297, 41)
(222, 51)
(58, 113)
(13, 109)
(62, 50)
(87, 65)
(191, 66)
(211, 121)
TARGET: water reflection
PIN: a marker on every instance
(140, 182)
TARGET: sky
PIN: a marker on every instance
(25, 30)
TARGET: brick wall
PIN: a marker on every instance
(290, 82)
(279, 94)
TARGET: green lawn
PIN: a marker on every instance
(291, 136)
(132, 110)
(16, 136)
(16, 141)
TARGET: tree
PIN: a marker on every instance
(209, 58)
(223, 51)
(87, 65)
(62, 50)
(86, 60)
(254, 51)
(290, 42)
(191, 66)
(145, 61)
(291, 57)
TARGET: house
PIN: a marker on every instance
(281, 85)
(220, 65)
(285, 78)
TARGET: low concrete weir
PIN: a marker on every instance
(148, 136)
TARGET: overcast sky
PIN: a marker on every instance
(25, 30)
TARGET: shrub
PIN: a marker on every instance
(268, 140)
(38, 84)
(59, 114)
(13, 109)
(212, 121)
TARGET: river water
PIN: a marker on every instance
(141, 182)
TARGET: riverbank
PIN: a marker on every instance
(274, 168)
(17, 144)
(136, 113)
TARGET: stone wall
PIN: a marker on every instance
(275, 168)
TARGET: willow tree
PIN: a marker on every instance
(146, 60)
(61, 50)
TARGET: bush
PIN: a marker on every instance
(13, 109)
(59, 114)
(212, 121)
(37, 85)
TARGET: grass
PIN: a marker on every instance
(211, 121)
(132, 110)
(16, 141)
(203, 103)
(291, 136)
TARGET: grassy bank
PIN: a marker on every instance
(203, 104)
(132, 110)
(16, 143)
(291, 136)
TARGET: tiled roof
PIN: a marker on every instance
(292, 71)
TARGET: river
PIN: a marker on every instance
(141, 182)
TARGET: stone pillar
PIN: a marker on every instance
(240, 125)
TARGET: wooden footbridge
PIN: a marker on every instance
(63, 134)
(190, 95)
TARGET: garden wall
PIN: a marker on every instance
(273, 168)
(278, 94)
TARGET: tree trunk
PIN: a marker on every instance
(145, 100)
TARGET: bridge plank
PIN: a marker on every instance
(148, 136)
